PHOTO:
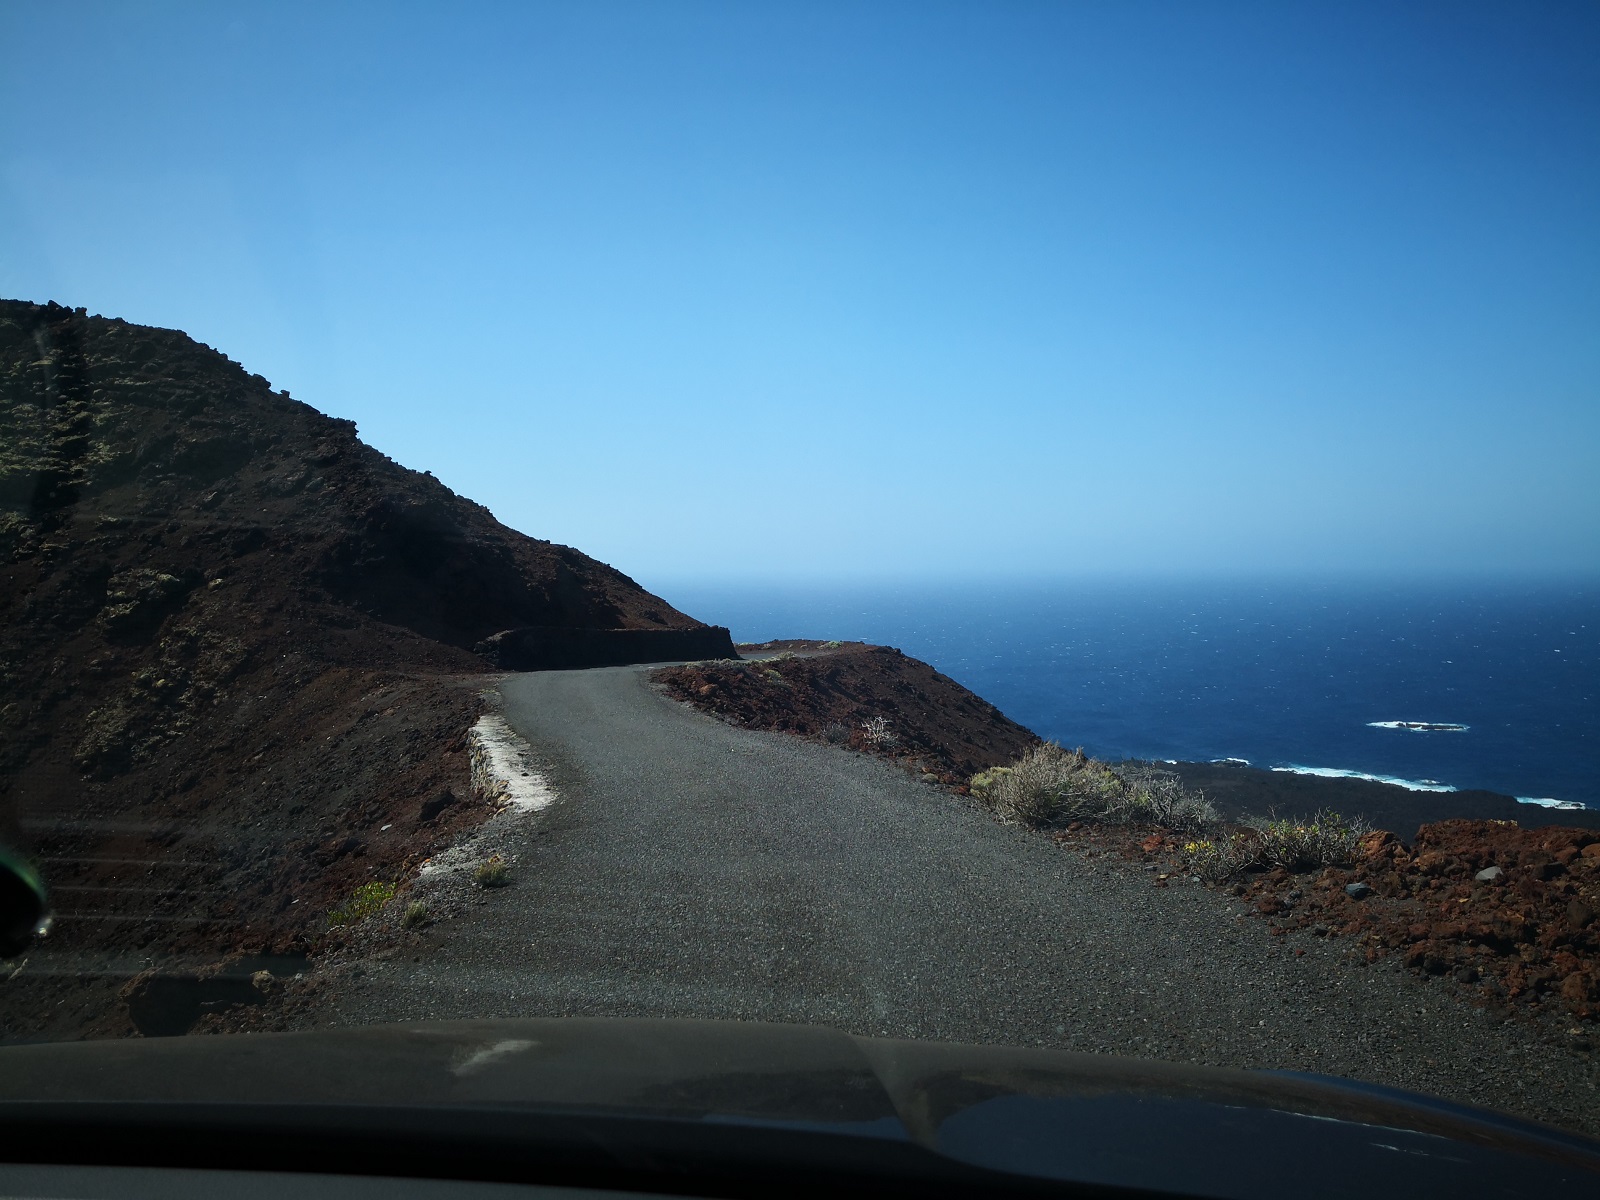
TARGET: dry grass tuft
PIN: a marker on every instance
(1221, 857)
(366, 900)
(877, 733)
(493, 872)
(1050, 786)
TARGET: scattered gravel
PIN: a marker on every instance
(690, 868)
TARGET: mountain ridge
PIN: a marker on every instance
(237, 651)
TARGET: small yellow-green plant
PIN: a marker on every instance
(1222, 857)
(416, 914)
(1298, 844)
(493, 872)
(981, 783)
(366, 900)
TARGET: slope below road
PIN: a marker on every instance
(690, 868)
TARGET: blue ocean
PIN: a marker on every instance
(1302, 676)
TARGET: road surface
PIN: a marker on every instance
(690, 868)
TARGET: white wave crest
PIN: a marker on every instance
(1414, 785)
(1547, 802)
(1238, 762)
(1420, 726)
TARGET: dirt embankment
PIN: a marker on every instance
(236, 660)
(1511, 913)
(871, 698)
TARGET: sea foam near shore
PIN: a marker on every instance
(1415, 785)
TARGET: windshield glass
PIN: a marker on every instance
(1068, 526)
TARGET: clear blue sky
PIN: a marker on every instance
(872, 290)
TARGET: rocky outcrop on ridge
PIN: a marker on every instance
(871, 698)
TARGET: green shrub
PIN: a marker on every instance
(1041, 787)
(1301, 844)
(1223, 857)
(981, 783)
(493, 872)
(831, 645)
(416, 915)
(366, 900)
(1159, 799)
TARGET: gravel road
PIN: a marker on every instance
(693, 869)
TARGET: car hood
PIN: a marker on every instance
(1022, 1113)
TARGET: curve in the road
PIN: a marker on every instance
(691, 868)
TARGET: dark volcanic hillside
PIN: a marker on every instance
(236, 656)
(106, 423)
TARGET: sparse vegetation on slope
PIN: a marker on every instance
(1052, 786)
(1515, 912)
(367, 900)
(1291, 844)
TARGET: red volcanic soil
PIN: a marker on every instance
(1529, 936)
(236, 657)
(831, 690)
